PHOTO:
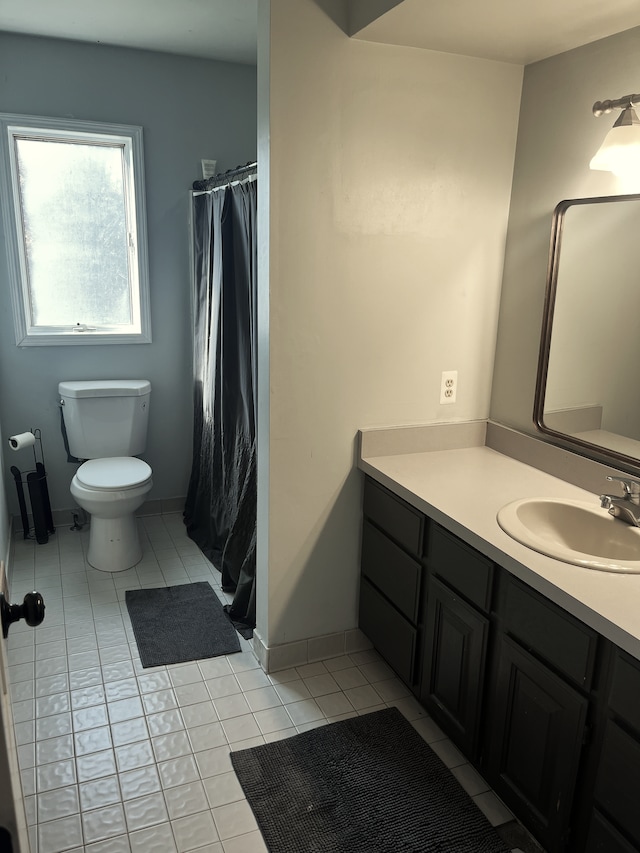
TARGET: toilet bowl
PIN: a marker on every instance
(111, 490)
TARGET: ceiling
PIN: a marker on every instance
(516, 31)
(210, 29)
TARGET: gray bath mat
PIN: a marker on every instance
(369, 784)
(174, 624)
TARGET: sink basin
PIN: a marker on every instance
(573, 531)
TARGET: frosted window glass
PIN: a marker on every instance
(73, 208)
(72, 197)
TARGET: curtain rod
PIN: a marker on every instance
(223, 178)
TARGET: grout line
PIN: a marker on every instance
(169, 726)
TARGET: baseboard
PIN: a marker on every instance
(301, 652)
(61, 517)
(162, 507)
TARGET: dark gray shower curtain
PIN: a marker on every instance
(220, 510)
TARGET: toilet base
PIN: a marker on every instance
(114, 544)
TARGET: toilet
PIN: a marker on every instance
(106, 425)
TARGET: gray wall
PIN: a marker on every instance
(4, 515)
(190, 109)
(557, 136)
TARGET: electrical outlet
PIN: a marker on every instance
(448, 386)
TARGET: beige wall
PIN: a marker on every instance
(390, 175)
(557, 137)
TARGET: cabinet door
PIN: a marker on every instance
(454, 664)
(536, 732)
(604, 838)
(618, 780)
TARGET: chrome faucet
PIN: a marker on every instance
(627, 507)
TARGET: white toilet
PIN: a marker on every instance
(106, 424)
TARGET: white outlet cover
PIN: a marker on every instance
(448, 387)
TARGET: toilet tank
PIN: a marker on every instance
(105, 417)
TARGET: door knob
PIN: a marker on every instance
(31, 610)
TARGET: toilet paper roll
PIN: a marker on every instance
(23, 439)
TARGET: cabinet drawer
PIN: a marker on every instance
(401, 521)
(461, 567)
(625, 689)
(392, 570)
(618, 780)
(603, 838)
(551, 633)
(392, 635)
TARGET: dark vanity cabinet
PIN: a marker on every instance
(614, 818)
(537, 710)
(544, 707)
(457, 598)
(391, 579)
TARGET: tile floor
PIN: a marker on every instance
(119, 759)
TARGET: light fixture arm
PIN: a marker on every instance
(602, 107)
(620, 151)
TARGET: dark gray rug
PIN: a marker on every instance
(174, 624)
(364, 785)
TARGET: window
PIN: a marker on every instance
(74, 216)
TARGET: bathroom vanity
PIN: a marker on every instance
(531, 666)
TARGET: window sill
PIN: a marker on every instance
(82, 339)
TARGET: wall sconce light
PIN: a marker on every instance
(620, 151)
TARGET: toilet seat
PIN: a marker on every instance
(114, 473)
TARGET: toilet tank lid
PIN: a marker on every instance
(105, 388)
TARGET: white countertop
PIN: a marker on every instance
(464, 489)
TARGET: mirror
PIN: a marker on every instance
(588, 389)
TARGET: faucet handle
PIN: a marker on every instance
(630, 487)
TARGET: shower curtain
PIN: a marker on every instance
(220, 510)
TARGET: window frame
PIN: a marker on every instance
(130, 136)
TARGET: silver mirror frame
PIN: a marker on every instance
(578, 445)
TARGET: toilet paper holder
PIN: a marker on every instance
(36, 483)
